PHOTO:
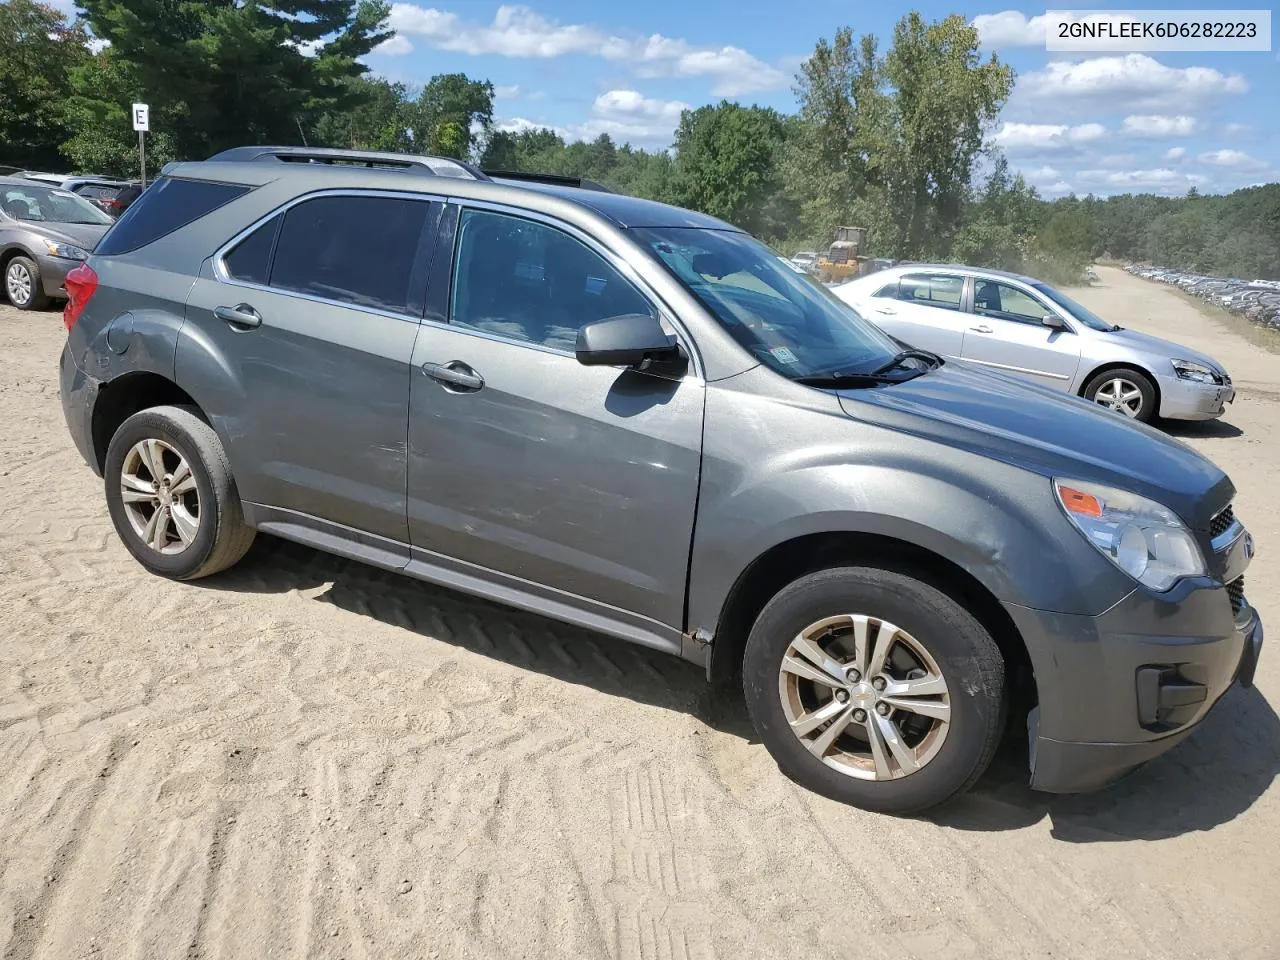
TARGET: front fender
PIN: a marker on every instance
(833, 474)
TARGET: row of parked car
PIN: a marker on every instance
(1255, 300)
(113, 196)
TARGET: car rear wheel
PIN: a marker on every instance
(23, 286)
(1125, 391)
(874, 688)
(171, 495)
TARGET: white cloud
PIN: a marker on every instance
(1237, 129)
(1010, 28)
(508, 91)
(625, 115)
(1061, 186)
(1031, 138)
(1236, 159)
(396, 46)
(1156, 125)
(1175, 153)
(521, 124)
(1160, 179)
(1134, 81)
(519, 31)
(1043, 173)
(97, 44)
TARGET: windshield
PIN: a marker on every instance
(1085, 316)
(785, 320)
(49, 205)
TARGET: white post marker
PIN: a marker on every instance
(142, 123)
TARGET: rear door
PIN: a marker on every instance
(314, 313)
(1007, 333)
(576, 483)
(923, 310)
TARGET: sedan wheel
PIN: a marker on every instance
(864, 697)
(1120, 395)
(18, 284)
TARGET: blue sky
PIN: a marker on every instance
(1102, 123)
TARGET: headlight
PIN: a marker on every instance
(1196, 372)
(1144, 539)
(67, 251)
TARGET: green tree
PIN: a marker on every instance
(38, 51)
(380, 122)
(223, 73)
(450, 115)
(727, 163)
(102, 138)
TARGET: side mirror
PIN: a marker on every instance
(633, 340)
(1054, 322)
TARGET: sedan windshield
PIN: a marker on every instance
(1085, 316)
(783, 318)
(48, 205)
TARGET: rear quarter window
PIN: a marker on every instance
(167, 205)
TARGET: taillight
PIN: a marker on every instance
(81, 284)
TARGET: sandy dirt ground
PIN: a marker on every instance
(305, 757)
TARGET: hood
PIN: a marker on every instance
(1165, 348)
(1046, 432)
(84, 235)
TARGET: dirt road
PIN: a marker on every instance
(305, 757)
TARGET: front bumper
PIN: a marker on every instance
(1187, 400)
(53, 274)
(1121, 688)
(78, 392)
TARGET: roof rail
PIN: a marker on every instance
(407, 162)
(550, 178)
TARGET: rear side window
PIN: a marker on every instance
(250, 261)
(165, 206)
(931, 290)
(366, 251)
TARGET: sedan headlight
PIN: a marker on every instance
(1144, 539)
(67, 251)
(1195, 372)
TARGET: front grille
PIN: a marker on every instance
(1222, 521)
(1235, 590)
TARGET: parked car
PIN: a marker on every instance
(633, 418)
(111, 195)
(1257, 300)
(1021, 326)
(44, 232)
(806, 260)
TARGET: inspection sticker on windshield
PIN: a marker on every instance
(783, 355)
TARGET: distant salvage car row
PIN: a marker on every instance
(634, 418)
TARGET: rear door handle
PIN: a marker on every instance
(982, 329)
(241, 316)
(455, 374)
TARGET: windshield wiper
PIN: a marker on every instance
(837, 379)
(932, 359)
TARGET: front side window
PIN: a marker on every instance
(1004, 302)
(1078, 311)
(365, 251)
(49, 205)
(531, 282)
(930, 290)
(787, 322)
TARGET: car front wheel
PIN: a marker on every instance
(171, 495)
(874, 688)
(23, 286)
(1125, 391)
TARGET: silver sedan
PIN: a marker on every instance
(1019, 325)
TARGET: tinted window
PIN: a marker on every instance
(1003, 302)
(889, 290)
(529, 281)
(932, 290)
(251, 259)
(358, 250)
(165, 206)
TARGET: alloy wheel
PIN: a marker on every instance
(1120, 395)
(160, 496)
(865, 697)
(17, 283)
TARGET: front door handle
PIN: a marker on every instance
(889, 310)
(454, 374)
(242, 316)
(982, 329)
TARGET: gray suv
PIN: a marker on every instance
(635, 418)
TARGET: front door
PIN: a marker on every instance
(311, 321)
(580, 482)
(1006, 332)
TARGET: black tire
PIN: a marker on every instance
(964, 652)
(222, 536)
(37, 299)
(1147, 412)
